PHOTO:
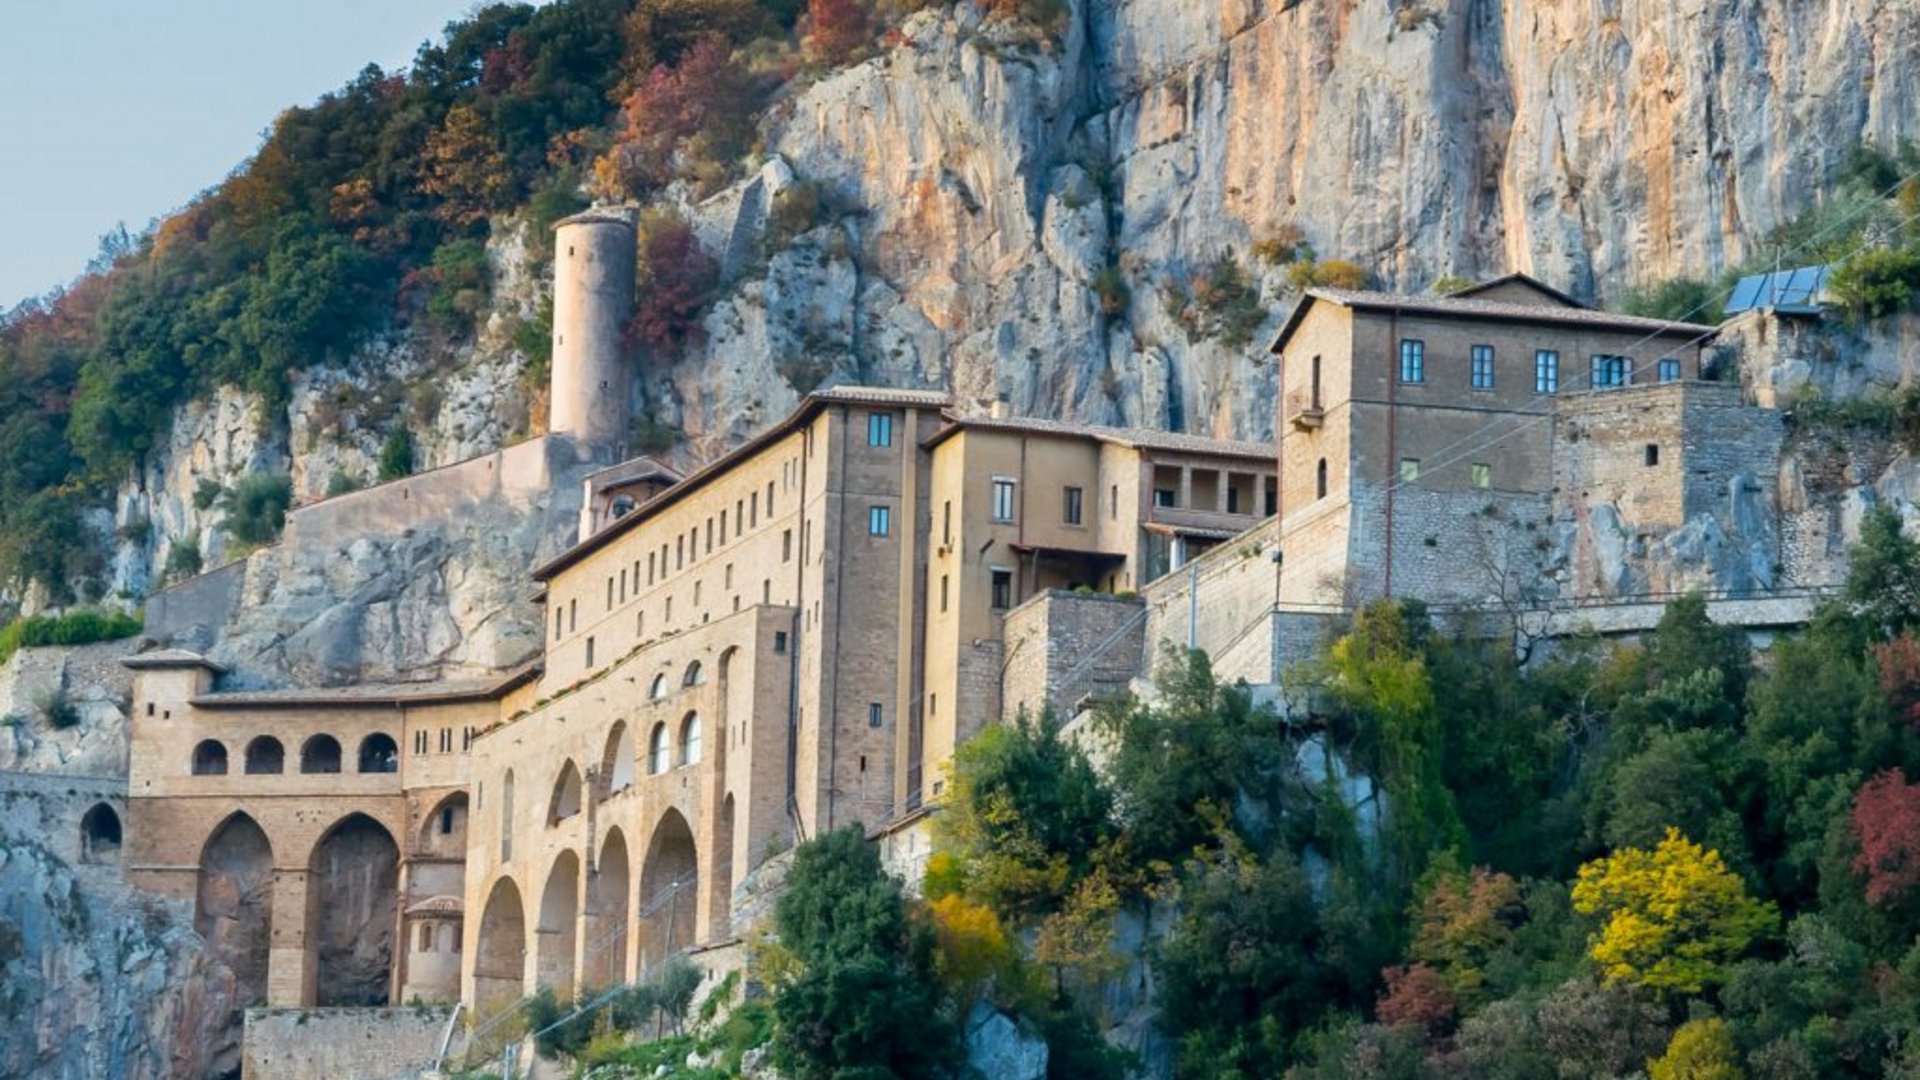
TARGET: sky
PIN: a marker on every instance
(118, 111)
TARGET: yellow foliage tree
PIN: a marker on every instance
(974, 948)
(464, 168)
(1700, 1050)
(1671, 919)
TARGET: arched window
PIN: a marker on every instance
(320, 754)
(99, 834)
(378, 754)
(1320, 479)
(265, 756)
(659, 751)
(506, 817)
(690, 739)
(618, 764)
(694, 676)
(567, 791)
(659, 689)
(210, 758)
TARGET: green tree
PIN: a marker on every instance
(257, 507)
(396, 455)
(862, 1001)
(1883, 575)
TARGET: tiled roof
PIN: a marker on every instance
(1466, 307)
(881, 395)
(1138, 438)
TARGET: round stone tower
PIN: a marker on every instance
(593, 267)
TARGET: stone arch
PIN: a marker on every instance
(558, 926)
(265, 756)
(567, 792)
(233, 903)
(353, 905)
(320, 754)
(694, 676)
(379, 754)
(690, 739)
(720, 898)
(608, 893)
(669, 890)
(444, 832)
(506, 817)
(100, 834)
(659, 749)
(617, 764)
(210, 758)
(500, 954)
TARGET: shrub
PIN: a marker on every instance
(1285, 244)
(459, 282)
(1328, 273)
(396, 455)
(206, 493)
(1678, 299)
(73, 628)
(677, 281)
(257, 507)
(183, 561)
(1116, 296)
(56, 711)
(1878, 281)
(342, 483)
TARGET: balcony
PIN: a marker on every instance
(1304, 410)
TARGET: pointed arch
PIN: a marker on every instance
(608, 903)
(353, 905)
(567, 792)
(500, 955)
(556, 931)
(618, 762)
(669, 890)
(443, 832)
(233, 903)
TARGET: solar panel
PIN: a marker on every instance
(1801, 288)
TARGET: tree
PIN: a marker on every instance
(705, 105)
(862, 1001)
(1700, 1050)
(836, 29)
(257, 507)
(1418, 997)
(1670, 919)
(396, 455)
(1886, 824)
(677, 280)
(1462, 921)
(1883, 575)
(1025, 817)
(465, 169)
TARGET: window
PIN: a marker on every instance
(609, 592)
(1653, 454)
(1113, 502)
(943, 593)
(1002, 589)
(265, 756)
(1165, 497)
(1315, 384)
(590, 647)
(1413, 361)
(446, 740)
(378, 754)
(623, 583)
(1233, 500)
(1482, 475)
(420, 742)
(946, 522)
(786, 546)
(426, 938)
(1669, 369)
(573, 615)
(879, 429)
(1320, 479)
(1409, 470)
(559, 623)
(769, 498)
(694, 676)
(690, 740)
(876, 716)
(1071, 497)
(659, 688)
(780, 641)
(659, 751)
(679, 552)
(1273, 496)
(1611, 371)
(1002, 499)
(1482, 367)
(879, 520)
(753, 509)
(1546, 372)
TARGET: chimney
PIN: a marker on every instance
(999, 410)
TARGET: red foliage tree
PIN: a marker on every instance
(1417, 996)
(707, 97)
(677, 280)
(1899, 664)
(836, 29)
(1886, 822)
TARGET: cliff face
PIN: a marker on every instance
(1025, 217)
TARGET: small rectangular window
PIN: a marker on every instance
(1165, 497)
(1002, 589)
(879, 520)
(1669, 369)
(609, 592)
(1002, 499)
(573, 616)
(769, 498)
(1233, 500)
(1482, 358)
(1413, 361)
(589, 652)
(1072, 497)
(946, 522)
(1611, 371)
(876, 716)
(1273, 496)
(879, 429)
(1653, 454)
(753, 509)
(1409, 470)
(943, 593)
(1482, 475)
(1546, 372)
(1113, 502)
(786, 545)
(780, 641)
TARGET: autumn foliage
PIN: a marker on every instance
(677, 280)
(1886, 823)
